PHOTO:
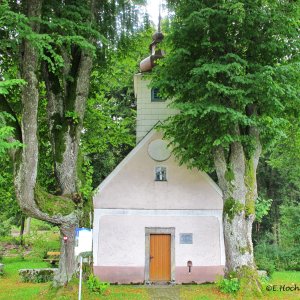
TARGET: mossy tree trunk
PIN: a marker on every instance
(237, 178)
(67, 97)
(26, 158)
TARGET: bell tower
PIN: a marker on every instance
(150, 107)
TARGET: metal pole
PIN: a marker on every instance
(80, 279)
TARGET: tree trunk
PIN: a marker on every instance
(22, 227)
(66, 108)
(65, 111)
(67, 263)
(237, 179)
(26, 158)
(27, 226)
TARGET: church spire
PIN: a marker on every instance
(148, 63)
(159, 17)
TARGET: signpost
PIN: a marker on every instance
(83, 248)
(80, 279)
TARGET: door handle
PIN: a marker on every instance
(151, 257)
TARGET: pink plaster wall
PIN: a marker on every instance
(133, 186)
(120, 274)
(122, 240)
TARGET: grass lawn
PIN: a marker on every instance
(10, 285)
(210, 292)
(11, 288)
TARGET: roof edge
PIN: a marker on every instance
(129, 156)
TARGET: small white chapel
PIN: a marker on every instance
(156, 221)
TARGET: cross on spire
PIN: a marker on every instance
(159, 16)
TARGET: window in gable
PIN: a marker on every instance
(160, 174)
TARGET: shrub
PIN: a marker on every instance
(1, 253)
(290, 236)
(271, 254)
(41, 243)
(21, 253)
(5, 227)
(96, 286)
(229, 285)
(11, 240)
(266, 254)
(37, 225)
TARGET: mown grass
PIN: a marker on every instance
(10, 285)
(279, 279)
(11, 288)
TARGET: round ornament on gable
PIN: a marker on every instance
(158, 150)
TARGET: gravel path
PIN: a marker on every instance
(164, 292)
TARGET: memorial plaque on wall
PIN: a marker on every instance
(186, 238)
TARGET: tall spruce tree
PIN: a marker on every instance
(232, 72)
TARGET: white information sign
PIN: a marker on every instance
(84, 240)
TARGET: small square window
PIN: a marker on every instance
(155, 95)
(160, 174)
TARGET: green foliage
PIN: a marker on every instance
(6, 225)
(290, 236)
(262, 208)
(277, 237)
(229, 73)
(250, 284)
(229, 175)
(285, 155)
(7, 85)
(1, 253)
(111, 106)
(264, 263)
(229, 285)
(269, 256)
(237, 75)
(11, 240)
(96, 286)
(10, 213)
(232, 207)
(73, 116)
(44, 277)
(64, 36)
(38, 225)
(6, 132)
(41, 243)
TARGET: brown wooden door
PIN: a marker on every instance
(160, 257)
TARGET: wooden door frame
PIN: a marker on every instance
(159, 230)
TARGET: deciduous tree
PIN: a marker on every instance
(232, 72)
(50, 47)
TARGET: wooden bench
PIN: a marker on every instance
(52, 257)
